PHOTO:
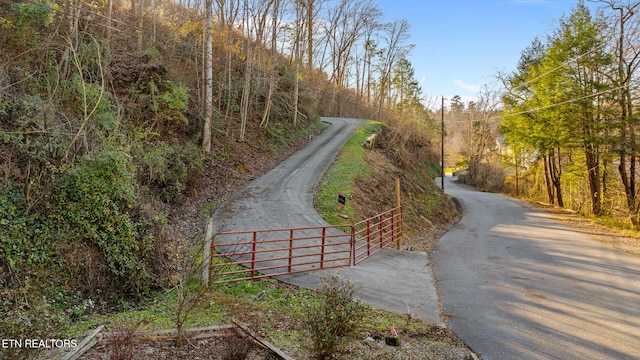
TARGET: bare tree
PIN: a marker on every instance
(370, 51)
(395, 36)
(273, 50)
(208, 92)
(312, 10)
(296, 62)
(348, 22)
(627, 52)
(481, 131)
(228, 11)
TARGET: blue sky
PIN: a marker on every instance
(460, 45)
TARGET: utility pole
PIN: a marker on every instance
(442, 142)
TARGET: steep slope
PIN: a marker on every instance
(400, 152)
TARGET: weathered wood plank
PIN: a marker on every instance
(84, 345)
(262, 341)
(168, 335)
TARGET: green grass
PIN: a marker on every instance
(379, 321)
(225, 300)
(434, 170)
(340, 178)
(281, 136)
(280, 313)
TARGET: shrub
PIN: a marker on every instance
(27, 316)
(236, 347)
(95, 200)
(486, 177)
(27, 21)
(168, 168)
(22, 235)
(98, 105)
(125, 346)
(169, 100)
(335, 318)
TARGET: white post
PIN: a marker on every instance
(206, 252)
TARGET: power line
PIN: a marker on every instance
(565, 63)
(178, 44)
(565, 102)
(135, 30)
(542, 107)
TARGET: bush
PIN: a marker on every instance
(27, 316)
(125, 345)
(168, 168)
(169, 100)
(236, 347)
(335, 318)
(27, 21)
(22, 235)
(486, 177)
(95, 200)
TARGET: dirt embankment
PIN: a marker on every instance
(428, 213)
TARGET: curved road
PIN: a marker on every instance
(398, 281)
(284, 196)
(517, 284)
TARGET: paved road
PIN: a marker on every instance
(284, 196)
(392, 280)
(519, 285)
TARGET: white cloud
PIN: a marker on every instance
(423, 79)
(469, 87)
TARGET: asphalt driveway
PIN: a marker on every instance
(398, 281)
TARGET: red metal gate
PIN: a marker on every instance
(376, 233)
(252, 254)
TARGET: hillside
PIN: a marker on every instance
(104, 182)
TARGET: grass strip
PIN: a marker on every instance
(340, 178)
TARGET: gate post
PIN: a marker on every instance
(207, 256)
(352, 257)
(253, 254)
(393, 227)
(324, 235)
(368, 237)
(380, 232)
(290, 249)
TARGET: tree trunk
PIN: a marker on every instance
(208, 92)
(139, 25)
(296, 89)
(547, 177)
(244, 102)
(246, 89)
(556, 175)
(272, 75)
(310, 7)
(593, 170)
(517, 174)
(107, 35)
